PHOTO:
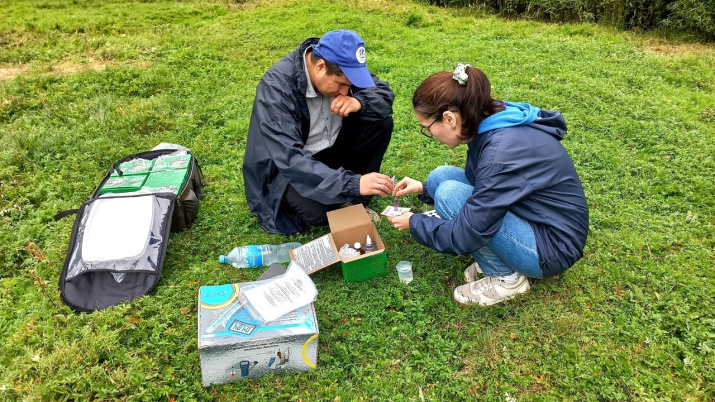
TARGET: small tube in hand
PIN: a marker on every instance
(393, 184)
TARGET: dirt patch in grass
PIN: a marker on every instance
(35, 251)
(9, 72)
(68, 67)
(678, 50)
(61, 68)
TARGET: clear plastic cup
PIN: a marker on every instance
(404, 271)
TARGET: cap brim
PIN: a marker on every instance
(360, 76)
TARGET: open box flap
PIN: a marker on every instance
(357, 234)
(316, 254)
(347, 218)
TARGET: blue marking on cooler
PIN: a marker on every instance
(216, 295)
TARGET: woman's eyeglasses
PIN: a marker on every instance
(425, 130)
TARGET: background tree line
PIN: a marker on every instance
(693, 17)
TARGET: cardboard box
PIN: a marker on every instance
(233, 346)
(347, 226)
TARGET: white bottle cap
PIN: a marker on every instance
(369, 240)
(356, 245)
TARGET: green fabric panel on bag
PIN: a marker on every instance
(123, 184)
(169, 180)
(134, 167)
(180, 162)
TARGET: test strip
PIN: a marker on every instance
(393, 184)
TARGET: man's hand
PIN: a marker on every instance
(344, 105)
(375, 184)
(401, 222)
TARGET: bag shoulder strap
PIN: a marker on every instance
(66, 213)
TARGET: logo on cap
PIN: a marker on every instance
(360, 55)
(346, 49)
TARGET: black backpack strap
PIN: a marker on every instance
(63, 214)
(115, 168)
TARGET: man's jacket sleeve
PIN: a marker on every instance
(376, 101)
(279, 120)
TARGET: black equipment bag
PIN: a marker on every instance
(118, 243)
(187, 202)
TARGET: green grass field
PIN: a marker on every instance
(85, 83)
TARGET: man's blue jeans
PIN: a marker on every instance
(512, 249)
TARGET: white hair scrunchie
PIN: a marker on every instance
(460, 74)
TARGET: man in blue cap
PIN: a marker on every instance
(320, 126)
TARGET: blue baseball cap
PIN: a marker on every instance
(347, 50)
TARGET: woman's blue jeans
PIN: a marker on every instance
(512, 249)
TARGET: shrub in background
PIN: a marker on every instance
(694, 17)
(697, 16)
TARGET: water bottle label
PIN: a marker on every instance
(254, 256)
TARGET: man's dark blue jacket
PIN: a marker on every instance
(523, 169)
(276, 135)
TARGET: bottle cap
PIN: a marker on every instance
(356, 245)
(369, 240)
(222, 259)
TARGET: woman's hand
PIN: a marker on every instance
(375, 184)
(401, 222)
(407, 186)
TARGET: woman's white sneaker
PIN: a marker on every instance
(470, 274)
(491, 290)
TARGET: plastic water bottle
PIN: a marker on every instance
(369, 245)
(256, 255)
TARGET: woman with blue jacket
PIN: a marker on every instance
(517, 207)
